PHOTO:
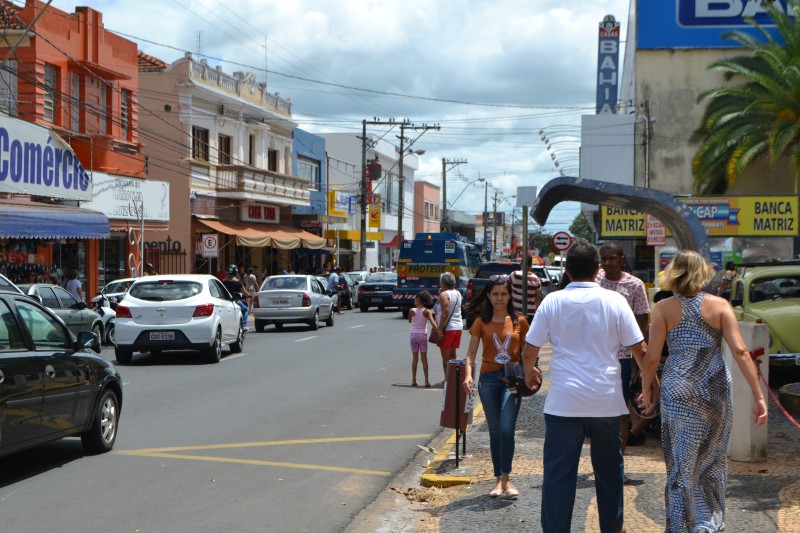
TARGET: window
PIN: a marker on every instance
(251, 154)
(50, 81)
(10, 333)
(75, 103)
(103, 108)
(49, 298)
(224, 150)
(125, 114)
(46, 331)
(68, 301)
(8, 89)
(436, 212)
(272, 161)
(309, 169)
(199, 143)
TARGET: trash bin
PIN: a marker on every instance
(453, 398)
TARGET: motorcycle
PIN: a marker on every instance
(102, 306)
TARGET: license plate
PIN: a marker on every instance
(376, 300)
(280, 302)
(162, 335)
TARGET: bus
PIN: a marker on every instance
(425, 258)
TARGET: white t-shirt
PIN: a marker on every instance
(586, 325)
(455, 323)
(72, 286)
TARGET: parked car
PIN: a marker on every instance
(555, 274)
(178, 312)
(770, 293)
(51, 386)
(292, 298)
(6, 285)
(377, 291)
(76, 315)
(549, 284)
(116, 290)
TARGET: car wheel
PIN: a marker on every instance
(329, 321)
(124, 356)
(278, 325)
(110, 335)
(97, 329)
(101, 436)
(364, 308)
(259, 326)
(214, 352)
(314, 324)
(238, 345)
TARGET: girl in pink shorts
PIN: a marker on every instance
(419, 317)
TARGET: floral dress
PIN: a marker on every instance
(696, 417)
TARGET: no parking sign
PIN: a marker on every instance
(210, 244)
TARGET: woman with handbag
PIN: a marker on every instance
(500, 330)
(447, 311)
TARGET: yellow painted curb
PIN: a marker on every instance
(430, 478)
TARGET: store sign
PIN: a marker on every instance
(338, 203)
(36, 161)
(656, 232)
(681, 24)
(115, 196)
(607, 66)
(722, 216)
(262, 213)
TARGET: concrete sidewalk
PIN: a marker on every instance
(761, 497)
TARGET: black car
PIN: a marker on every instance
(376, 291)
(51, 386)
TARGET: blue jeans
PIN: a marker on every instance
(245, 312)
(501, 408)
(563, 440)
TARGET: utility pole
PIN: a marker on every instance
(494, 217)
(405, 125)
(485, 216)
(454, 164)
(364, 186)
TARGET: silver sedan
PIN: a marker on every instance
(292, 299)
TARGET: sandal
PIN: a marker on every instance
(511, 493)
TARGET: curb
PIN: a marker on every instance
(431, 478)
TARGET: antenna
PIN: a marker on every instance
(199, 44)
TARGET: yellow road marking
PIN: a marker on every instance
(165, 452)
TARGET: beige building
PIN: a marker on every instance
(224, 143)
(427, 216)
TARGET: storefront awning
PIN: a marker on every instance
(329, 250)
(390, 244)
(33, 220)
(259, 235)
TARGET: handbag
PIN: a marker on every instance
(434, 337)
(515, 378)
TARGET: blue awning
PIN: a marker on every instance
(32, 220)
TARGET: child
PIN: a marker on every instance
(419, 318)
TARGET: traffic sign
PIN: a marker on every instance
(562, 241)
(210, 244)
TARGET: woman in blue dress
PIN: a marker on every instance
(696, 412)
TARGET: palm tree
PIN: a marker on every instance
(759, 118)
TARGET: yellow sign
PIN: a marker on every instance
(374, 216)
(722, 216)
(338, 203)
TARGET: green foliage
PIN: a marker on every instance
(580, 228)
(759, 116)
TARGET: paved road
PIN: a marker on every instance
(298, 433)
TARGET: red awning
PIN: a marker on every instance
(390, 244)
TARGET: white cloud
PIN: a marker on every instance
(538, 54)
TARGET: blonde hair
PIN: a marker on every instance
(687, 273)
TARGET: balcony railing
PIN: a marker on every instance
(248, 181)
(242, 84)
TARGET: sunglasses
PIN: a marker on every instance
(499, 278)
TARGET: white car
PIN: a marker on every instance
(178, 312)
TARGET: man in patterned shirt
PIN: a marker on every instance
(612, 277)
(534, 290)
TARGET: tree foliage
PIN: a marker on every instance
(758, 117)
(580, 228)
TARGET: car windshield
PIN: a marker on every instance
(382, 277)
(297, 283)
(356, 276)
(165, 290)
(117, 286)
(774, 288)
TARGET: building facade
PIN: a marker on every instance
(427, 215)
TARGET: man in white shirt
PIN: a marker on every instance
(586, 325)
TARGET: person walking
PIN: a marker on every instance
(251, 284)
(695, 393)
(500, 331)
(234, 284)
(150, 270)
(534, 295)
(586, 325)
(419, 317)
(447, 312)
(613, 277)
(727, 280)
(73, 285)
(334, 287)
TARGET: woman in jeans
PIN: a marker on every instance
(500, 330)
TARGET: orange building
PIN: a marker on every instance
(67, 73)
(427, 216)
